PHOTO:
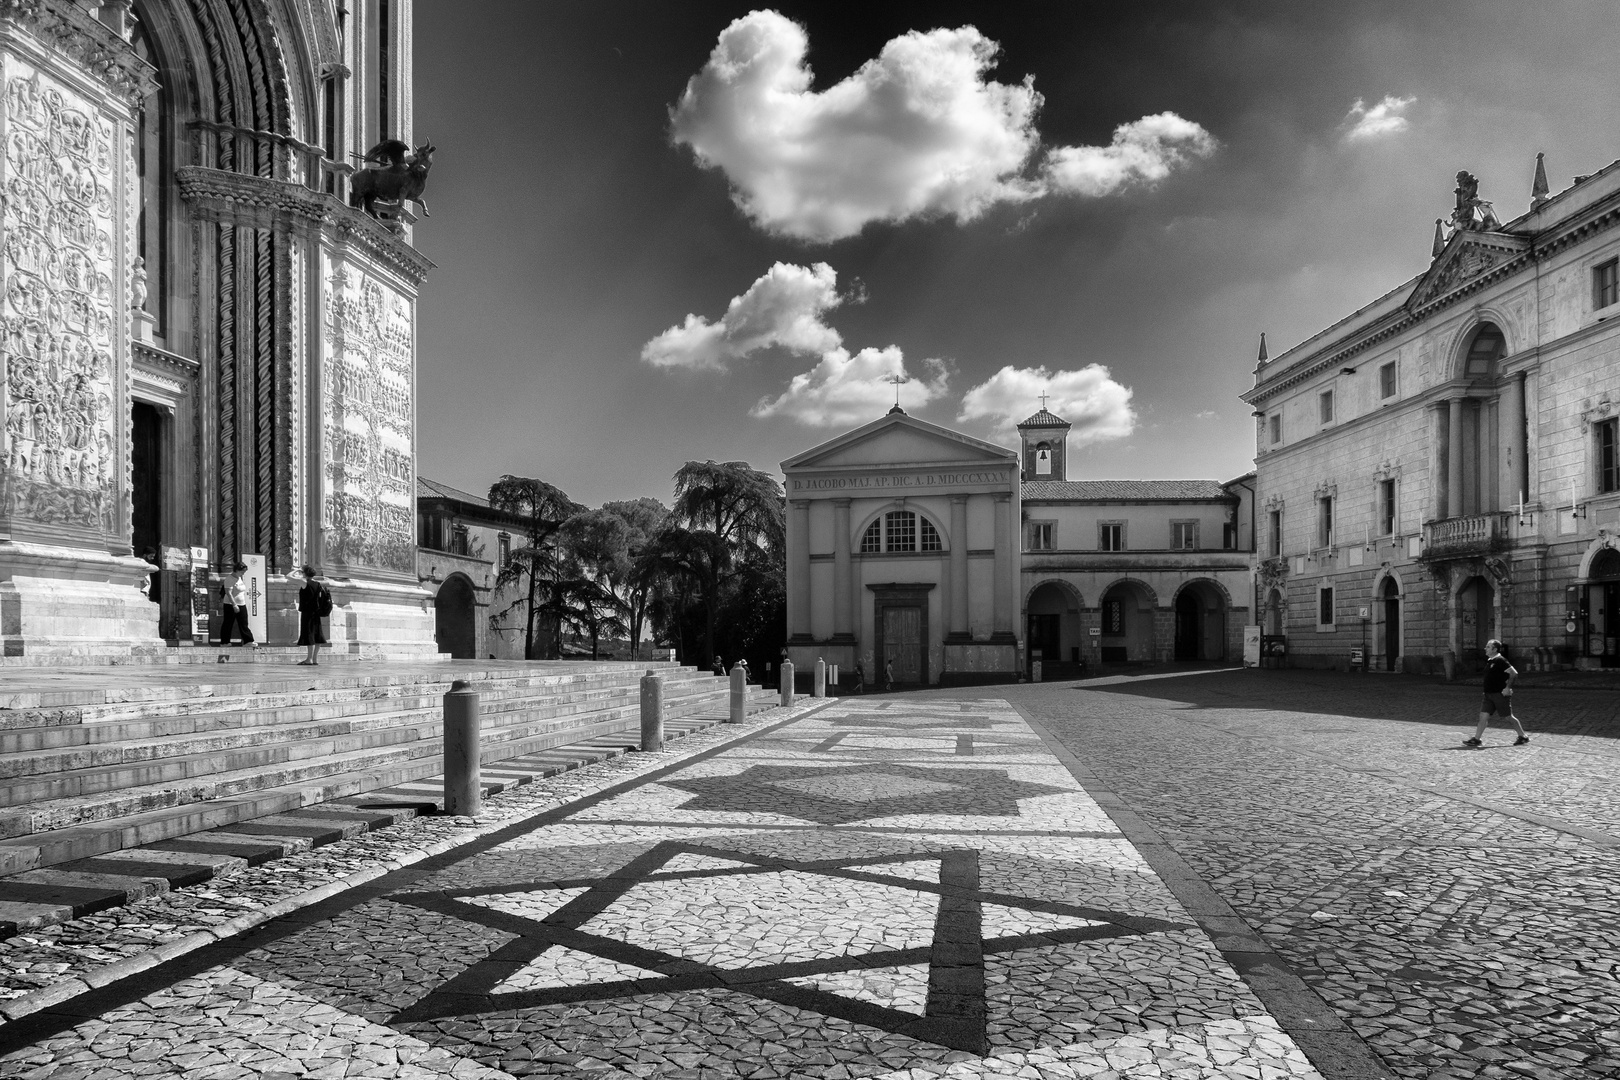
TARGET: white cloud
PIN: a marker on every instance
(1385, 118)
(844, 390)
(1089, 399)
(1142, 152)
(784, 307)
(917, 132)
(1207, 414)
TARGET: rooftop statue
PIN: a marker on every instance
(1472, 212)
(398, 174)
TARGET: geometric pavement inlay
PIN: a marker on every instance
(858, 939)
(844, 794)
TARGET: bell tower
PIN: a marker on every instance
(1045, 446)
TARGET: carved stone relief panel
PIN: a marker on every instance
(368, 515)
(61, 321)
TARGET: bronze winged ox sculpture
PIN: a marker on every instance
(398, 174)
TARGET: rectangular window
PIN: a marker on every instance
(1608, 455)
(1229, 536)
(1276, 428)
(1606, 283)
(1184, 535)
(1324, 522)
(1386, 380)
(1324, 599)
(1040, 536)
(503, 549)
(1113, 617)
(1386, 508)
(1111, 537)
(1276, 533)
(458, 540)
(1324, 406)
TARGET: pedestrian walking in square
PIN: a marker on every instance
(233, 605)
(1499, 676)
(888, 674)
(860, 678)
(314, 604)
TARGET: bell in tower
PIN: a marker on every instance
(1044, 437)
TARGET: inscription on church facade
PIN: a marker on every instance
(62, 311)
(368, 512)
(897, 480)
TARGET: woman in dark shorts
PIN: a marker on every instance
(311, 599)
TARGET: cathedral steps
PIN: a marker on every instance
(147, 764)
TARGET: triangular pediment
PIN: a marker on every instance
(898, 439)
(1466, 256)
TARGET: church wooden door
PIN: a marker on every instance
(903, 644)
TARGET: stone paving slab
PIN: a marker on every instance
(784, 904)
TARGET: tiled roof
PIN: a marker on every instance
(1123, 490)
(1044, 419)
(432, 489)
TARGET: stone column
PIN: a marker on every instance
(1454, 458)
(1511, 421)
(1005, 538)
(843, 617)
(799, 572)
(1437, 462)
(958, 626)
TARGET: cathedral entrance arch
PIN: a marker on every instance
(1128, 610)
(900, 634)
(1603, 609)
(454, 618)
(1052, 624)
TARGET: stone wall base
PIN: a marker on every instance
(979, 662)
(70, 602)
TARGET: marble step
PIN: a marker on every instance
(153, 815)
(58, 893)
(37, 764)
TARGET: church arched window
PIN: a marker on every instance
(872, 541)
(901, 530)
(1043, 459)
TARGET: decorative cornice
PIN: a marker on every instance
(1599, 218)
(260, 202)
(160, 359)
(93, 46)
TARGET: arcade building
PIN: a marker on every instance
(950, 560)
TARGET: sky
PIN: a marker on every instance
(689, 231)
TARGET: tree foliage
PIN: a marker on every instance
(544, 509)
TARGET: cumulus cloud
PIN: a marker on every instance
(1142, 152)
(784, 307)
(1089, 399)
(844, 390)
(919, 131)
(1385, 118)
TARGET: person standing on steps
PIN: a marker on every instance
(719, 666)
(1499, 676)
(314, 604)
(233, 604)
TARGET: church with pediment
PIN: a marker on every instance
(1440, 467)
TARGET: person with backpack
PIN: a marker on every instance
(314, 604)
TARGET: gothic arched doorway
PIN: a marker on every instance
(454, 618)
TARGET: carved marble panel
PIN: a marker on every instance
(61, 321)
(368, 513)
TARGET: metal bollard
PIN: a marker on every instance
(463, 786)
(787, 683)
(652, 712)
(739, 695)
(821, 678)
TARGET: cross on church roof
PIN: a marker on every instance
(1043, 399)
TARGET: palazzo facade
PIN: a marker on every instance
(207, 353)
(1440, 467)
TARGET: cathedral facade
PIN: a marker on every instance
(208, 353)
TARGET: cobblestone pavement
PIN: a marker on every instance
(1458, 908)
(905, 887)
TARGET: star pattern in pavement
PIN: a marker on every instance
(896, 943)
(848, 793)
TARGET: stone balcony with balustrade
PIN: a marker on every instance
(1460, 537)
